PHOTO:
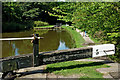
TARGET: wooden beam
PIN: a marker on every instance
(36, 50)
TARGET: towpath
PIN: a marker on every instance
(87, 38)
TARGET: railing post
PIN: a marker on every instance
(35, 42)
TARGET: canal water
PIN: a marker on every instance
(53, 40)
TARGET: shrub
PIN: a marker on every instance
(40, 23)
(12, 26)
(29, 24)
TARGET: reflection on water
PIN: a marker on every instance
(15, 49)
(53, 40)
(62, 46)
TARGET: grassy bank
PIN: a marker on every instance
(44, 26)
(76, 36)
(81, 68)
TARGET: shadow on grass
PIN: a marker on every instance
(49, 70)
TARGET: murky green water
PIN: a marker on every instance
(53, 40)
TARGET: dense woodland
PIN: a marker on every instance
(23, 15)
(101, 20)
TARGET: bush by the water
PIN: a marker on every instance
(40, 23)
(13, 26)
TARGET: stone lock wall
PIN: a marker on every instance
(24, 61)
(66, 55)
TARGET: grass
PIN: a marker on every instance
(76, 36)
(84, 69)
(44, 26)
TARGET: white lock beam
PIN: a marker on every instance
(103, 50)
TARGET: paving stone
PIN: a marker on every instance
(107, 71)
(107, 76)
(36, 75)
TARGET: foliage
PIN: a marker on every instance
(19, 12)
(13, 18)
(24, 12)
(80, 68)
(63, 11)
(12, 26)
(101, 20)
(40, 23)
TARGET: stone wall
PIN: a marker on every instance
(66, 55)
(24, 61)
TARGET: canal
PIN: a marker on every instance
(53, 40)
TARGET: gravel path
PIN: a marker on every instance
(87, 39)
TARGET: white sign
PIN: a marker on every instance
(103, 50)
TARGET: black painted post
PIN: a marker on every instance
(35, 50)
